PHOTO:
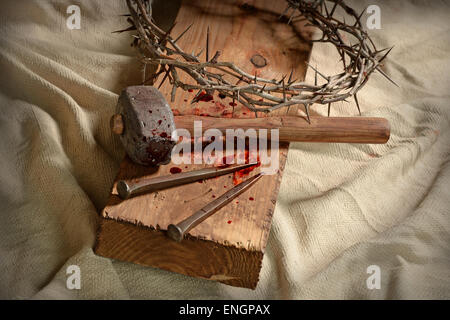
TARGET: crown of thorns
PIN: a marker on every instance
(359, 60)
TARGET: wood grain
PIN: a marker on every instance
(193, 257)
(296, 128)
(229, 246)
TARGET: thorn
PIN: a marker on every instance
(172, 95)
(357, 103)
(316, 71)
(315, 78)
(307, 113)
(326, 9)
(293, 81)
(290, 75)
(215, 57)
(124, 30)
(170, 29)
(166, 35)
(182, 34)
(144, 74)
(385, 55)
(284, 92)
(379, 51)
(334, 8)
(263, 87)
(329, 109)
(282, 79)
(207, 44)
(164, 78)
(201, 51)
(358, 21)
(195, 99)
(387, 77)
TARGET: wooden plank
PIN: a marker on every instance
(229, 246)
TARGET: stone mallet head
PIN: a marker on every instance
(145, 124)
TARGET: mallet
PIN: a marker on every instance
(145, 124)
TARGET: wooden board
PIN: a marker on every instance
(229, 246)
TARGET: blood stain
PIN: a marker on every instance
(205, 97)
(229, 221)
(163, 135)
(251, 198)
(190, 90)
(175, 170)
(239, 176)
(233, 104)
(159, 122)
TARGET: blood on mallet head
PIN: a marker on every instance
(145, 124)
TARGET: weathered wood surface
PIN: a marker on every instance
(229, 246)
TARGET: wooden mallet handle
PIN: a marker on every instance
(321, 129)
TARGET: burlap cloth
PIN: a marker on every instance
(341, 208)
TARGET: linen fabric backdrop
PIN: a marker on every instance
(341, 208)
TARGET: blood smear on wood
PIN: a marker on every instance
(175, 170)
(204, 97)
